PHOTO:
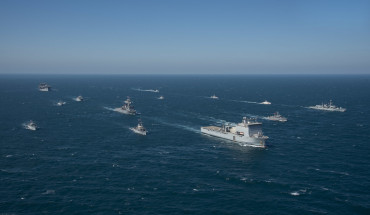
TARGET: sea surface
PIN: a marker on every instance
(84, 159)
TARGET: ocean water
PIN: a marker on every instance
(84, 159)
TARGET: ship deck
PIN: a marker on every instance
(213, 128)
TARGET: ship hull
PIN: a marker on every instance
(328, 109)
(46, 89)
(250, 141)
(138, 132)
(120, 110)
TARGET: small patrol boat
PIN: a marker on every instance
(265, 102)
(61, 103)
(214, 97)
(139, 129)
(79, 99)
(276, 117)
(31, 126)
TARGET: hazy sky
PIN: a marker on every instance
(154, 36)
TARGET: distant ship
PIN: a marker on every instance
(161, 97)
(248, 132)
(79, 99)
(61, 103)
(328, 107)
(139, 129)
(31, 126)
(155, 91)
(276, 117)
(127, 108)
(214, 97)
(44, 87)
(265, 103)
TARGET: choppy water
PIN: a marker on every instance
(85, 160)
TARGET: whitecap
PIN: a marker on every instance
(47, 192)
(295, 193)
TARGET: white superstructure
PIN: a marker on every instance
(31, 126)
(214, 97)
(79, 99)
(161, 97)
(44, 87)
(328, 107)
(127, 108)
(265, 102)
(248, 132)
(139, 129)
(276, 117)
(61, 103)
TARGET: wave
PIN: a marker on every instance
(108, 108)
(185, 127)
(299, 192)
(148, 90)
(331, 171)
(243, 101)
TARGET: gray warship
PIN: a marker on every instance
(44, 87)
(328, 107)
(127, 108)
(276, 117)
(248, 132)
(139, 129)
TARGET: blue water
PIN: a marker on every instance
(85, 160)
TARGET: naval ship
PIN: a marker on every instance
(44, 87)
(214, 97)
(248, 132)
(276, 117)
(127, 108)
(328, 107)
(139, 129)
(31, 126)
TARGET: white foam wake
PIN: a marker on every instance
(185, 127)
(148, 90)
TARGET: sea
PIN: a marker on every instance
(84, 159)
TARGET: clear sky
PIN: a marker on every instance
(187, 36)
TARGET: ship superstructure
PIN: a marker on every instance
(214, 97)
(79, 98)
(31, 126)
(248, 132)
(265, 102)
(328, 107)
(44, 87)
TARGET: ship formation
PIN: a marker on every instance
(247, 132)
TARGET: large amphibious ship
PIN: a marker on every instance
(127, 108)
(248, 132)
(44, 87)
(328, 107)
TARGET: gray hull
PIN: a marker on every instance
(120, 110)
(251, 141)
